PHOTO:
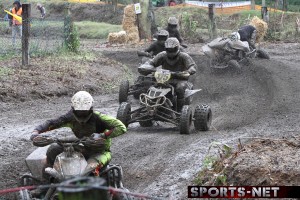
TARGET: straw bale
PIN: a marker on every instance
(133, 30)
(133, 37)
(129, 11)
(117, 37)
(128, 23)
(261, 28)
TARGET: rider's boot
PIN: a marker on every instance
(180, 104)
(92, 166)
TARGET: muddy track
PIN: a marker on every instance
(262, 101)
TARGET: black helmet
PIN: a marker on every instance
(162, 35)
(172, 21)
(17, 3)
(172, 47)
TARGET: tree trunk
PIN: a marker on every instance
(276, 4)
(252, 4)
(285, 5)
(145, 19)
(115, 4)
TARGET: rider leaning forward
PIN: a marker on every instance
(176, 61)
(85, 122)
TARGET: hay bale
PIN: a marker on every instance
(133, 29)
(117, 37)
(133, 37)
(128, 23)
(261, 28)
(129, 11)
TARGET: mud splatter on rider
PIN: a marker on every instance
(176, 61)
(85, 122)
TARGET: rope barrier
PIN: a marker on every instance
(110, 189)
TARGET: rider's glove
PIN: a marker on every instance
(34, 134)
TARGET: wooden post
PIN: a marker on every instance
(25, 33)
(264, 13)
(285, 5)
(252, 4)
(211, 14)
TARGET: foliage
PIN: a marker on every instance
(71, 38)
(213, 167)
(188, 25)
(4, 71)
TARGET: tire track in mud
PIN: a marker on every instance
(158, 160)
(165, 162)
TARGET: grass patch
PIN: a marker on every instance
(214, 165)
(5, 71)
(95, 30)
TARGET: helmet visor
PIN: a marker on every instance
(162, 38)
(82, 115)
(172, 52)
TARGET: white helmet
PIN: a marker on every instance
(82, 100)
(172, 47)
(235, 36)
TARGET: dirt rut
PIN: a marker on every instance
(261, 101)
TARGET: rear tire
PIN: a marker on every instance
(24, 195)
(123, 91)
(123, 113)
(186, 119)
(262, 54)
(203, 118)
(234, 65)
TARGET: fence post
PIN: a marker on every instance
(211, 14)
(265, 13)
(26, 8)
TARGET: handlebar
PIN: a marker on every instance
(43, 140)
(143, 53)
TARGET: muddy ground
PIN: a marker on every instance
(263, 101)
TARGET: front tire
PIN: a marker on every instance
(123, 91)
(234, 66)
(203, 118)
(186, 119)
(24, 195)
(123, 113)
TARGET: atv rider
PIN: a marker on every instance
(176, 61)
(172, 28)
(97, 127)
(157, 46)
(248, 34)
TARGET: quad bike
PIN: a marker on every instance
(141, 84)
(224, 53)
(69, 164)
(160, 104)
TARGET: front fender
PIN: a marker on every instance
(188, 92)
(208, 51)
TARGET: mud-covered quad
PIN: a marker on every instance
(69, 164)
(160, 104)
(223, 53)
